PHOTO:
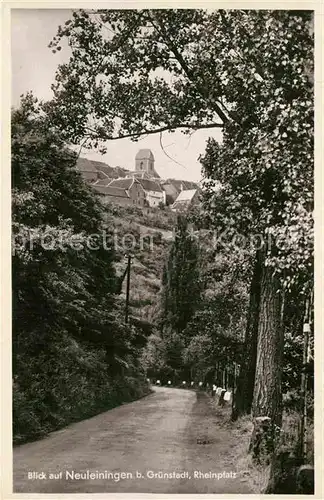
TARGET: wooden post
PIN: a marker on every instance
(234, 388)
(127, 288)
(303, 420)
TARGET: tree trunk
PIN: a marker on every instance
(267, 388)
(245, 381)
(267, 397)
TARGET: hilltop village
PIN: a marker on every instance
(142, 187)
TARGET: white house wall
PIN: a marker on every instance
(154, 198)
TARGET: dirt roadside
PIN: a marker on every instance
(158, 434)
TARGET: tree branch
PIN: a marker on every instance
(160, 29)
(155, 131)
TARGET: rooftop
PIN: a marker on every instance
(150, 185)
(124, 183)
(102, 182)
(111, 191)
(186, 195)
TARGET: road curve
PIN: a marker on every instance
(129, 448)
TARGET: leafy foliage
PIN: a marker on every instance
(249, 72)
(265, 162)
(213, 333)
(69, 345)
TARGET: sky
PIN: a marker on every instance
(33, 68)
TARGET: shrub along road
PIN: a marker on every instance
(172, 431)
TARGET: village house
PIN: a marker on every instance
(171, 192)
(102, 181)
(133, 188)
(185, 200)
(141, 192)
(154, 194)
(113, 194)
(142, 187)
(173, 187)
(124, 191)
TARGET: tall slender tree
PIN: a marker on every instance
(181, 279)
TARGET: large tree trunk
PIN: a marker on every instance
(245, 382)
(267, 397)
(267, 389)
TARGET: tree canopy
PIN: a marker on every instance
(249, 72)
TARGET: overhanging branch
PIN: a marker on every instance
(189, 73)
(97, 135)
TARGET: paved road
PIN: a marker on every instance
(154, 435)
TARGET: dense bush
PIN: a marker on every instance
(72, 354)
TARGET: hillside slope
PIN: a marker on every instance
(85, 165)
(147, 238)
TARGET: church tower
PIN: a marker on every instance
(144, 162)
